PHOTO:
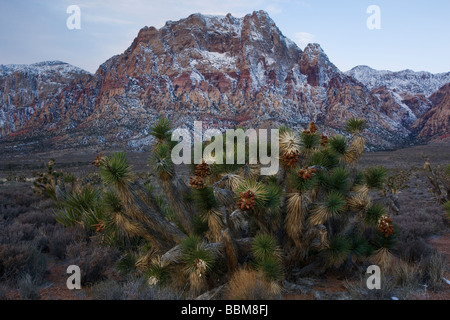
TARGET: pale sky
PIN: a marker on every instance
(414, 34)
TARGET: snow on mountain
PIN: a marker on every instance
(44, 68)
(27, 92)
(223, 70)
(405, 81)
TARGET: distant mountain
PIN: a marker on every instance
(224, 70)
(401, 82)
(28, 94)
(421, 94)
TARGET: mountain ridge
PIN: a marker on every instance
(223, 70)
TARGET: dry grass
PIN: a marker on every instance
(295, 217)
(248, 284)
(131, 289)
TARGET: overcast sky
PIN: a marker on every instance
(414, 34)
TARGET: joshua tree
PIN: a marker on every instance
(439, 180)
(316, 213)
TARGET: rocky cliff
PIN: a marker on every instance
(223, 70)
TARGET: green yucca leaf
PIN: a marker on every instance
(192, 250)
(309, 140)
(67, 217)
(190, 243)
(374, 213)
(359, 179)
(271, 268)
(92, 216)
(149, 186)
(161, 160)
(355, 125)
(375, 177)
(112, 202)
(158, 272)
(360, 247)
(204, 199)
(338, 180)
(82, 206)
(83, 200)
(271, 180)
(264, 246)
(300, 184)
(332, 205)
(337, 144)
(338, 250)
(324, 157)
(322, 178)
(200, 226)
(273, 197)
(115, 170)
(126, 264)
(145, 248)
(161, 130)
(334, 202)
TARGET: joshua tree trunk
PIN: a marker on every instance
(244, 247)
(158, 224)
(175, 196)
(147, 196)
(231, 251)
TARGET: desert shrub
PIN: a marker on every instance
(92, 259)
(40, 241)
(407, 275)
(419, 223)
(18, 232)
(19, 259)
(414, 250)
(9, 212)
(131, 289)
(139, 289)
(28, 288)
(3, 291)
(107, 290)
(247, 284)
(59, 238)
(359, 290)
(38, 218)
(434, 268)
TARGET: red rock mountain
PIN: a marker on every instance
(223, 70)
(436, 121)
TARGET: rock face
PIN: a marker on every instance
(223, 70)
(436, 121)
(28, 94)
(421, 99)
